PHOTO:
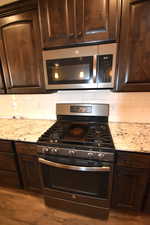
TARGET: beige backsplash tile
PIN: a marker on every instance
(124, 107)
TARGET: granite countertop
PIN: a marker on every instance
(23, 129)
(133, 137)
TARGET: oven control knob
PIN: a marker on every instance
(45, 150)
(71, 153)
(101, 155)
(54, 150)
(90, 155)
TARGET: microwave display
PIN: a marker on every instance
(70, 70)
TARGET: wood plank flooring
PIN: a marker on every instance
(18, 207)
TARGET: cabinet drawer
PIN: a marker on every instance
(6, 146)
(26, 148)
(7, 162)
(133, 160)
(10, 179)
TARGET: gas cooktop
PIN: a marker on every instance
(81, 131)
(85, 134)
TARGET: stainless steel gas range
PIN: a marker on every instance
(76, 160)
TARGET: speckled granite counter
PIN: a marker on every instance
(23, 129)
(133, 137)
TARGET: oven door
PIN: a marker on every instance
(61, 174)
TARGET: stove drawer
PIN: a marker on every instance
(77, 198)
(77, 207)
(133, 160)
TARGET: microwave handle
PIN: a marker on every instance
(94, 68)
(76, 168)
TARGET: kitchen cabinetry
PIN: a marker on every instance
(1, 80)
(8, 165)
(29, 166)
(20, 48)
(134, 53)
(130, 180)
(147, 199)
(70, 22)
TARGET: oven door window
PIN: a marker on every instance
(70, 70)
(78, 182)
(104, 68)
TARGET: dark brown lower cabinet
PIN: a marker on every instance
(9, 175)
(147, 199)
(9, 179)
(30, 172)
(29, 166)
(129, 188)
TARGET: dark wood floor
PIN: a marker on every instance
(21, 208)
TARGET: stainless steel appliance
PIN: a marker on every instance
(76, 159)
(80, 67)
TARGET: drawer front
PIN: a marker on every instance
(77, 198)
(6, 146)
(9, 179)
(133, 160)
(26, 148)
(7, 162)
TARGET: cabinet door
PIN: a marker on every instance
(1, 80)
(57, 22)
(30, 172)
(70, 22)
(134, 53)
(147, 199)
(20, 53)
(97, 20)
(129, 188)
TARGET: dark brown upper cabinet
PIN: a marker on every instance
(2, 90)
(20, 52)
(134, 53)
(71, 22)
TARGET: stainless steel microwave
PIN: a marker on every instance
(85, 67)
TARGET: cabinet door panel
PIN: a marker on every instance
(57, 22)
(21, 53)
(9, 179)
(129, 188)
(97, 20)
(134, 54)
(30, 172)
(1, 80)
(7, 162)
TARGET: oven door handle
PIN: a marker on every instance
(77, 168)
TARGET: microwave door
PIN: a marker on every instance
(71, 73)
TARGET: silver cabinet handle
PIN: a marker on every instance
(78, 168)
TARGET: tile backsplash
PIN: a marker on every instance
(124, 107)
